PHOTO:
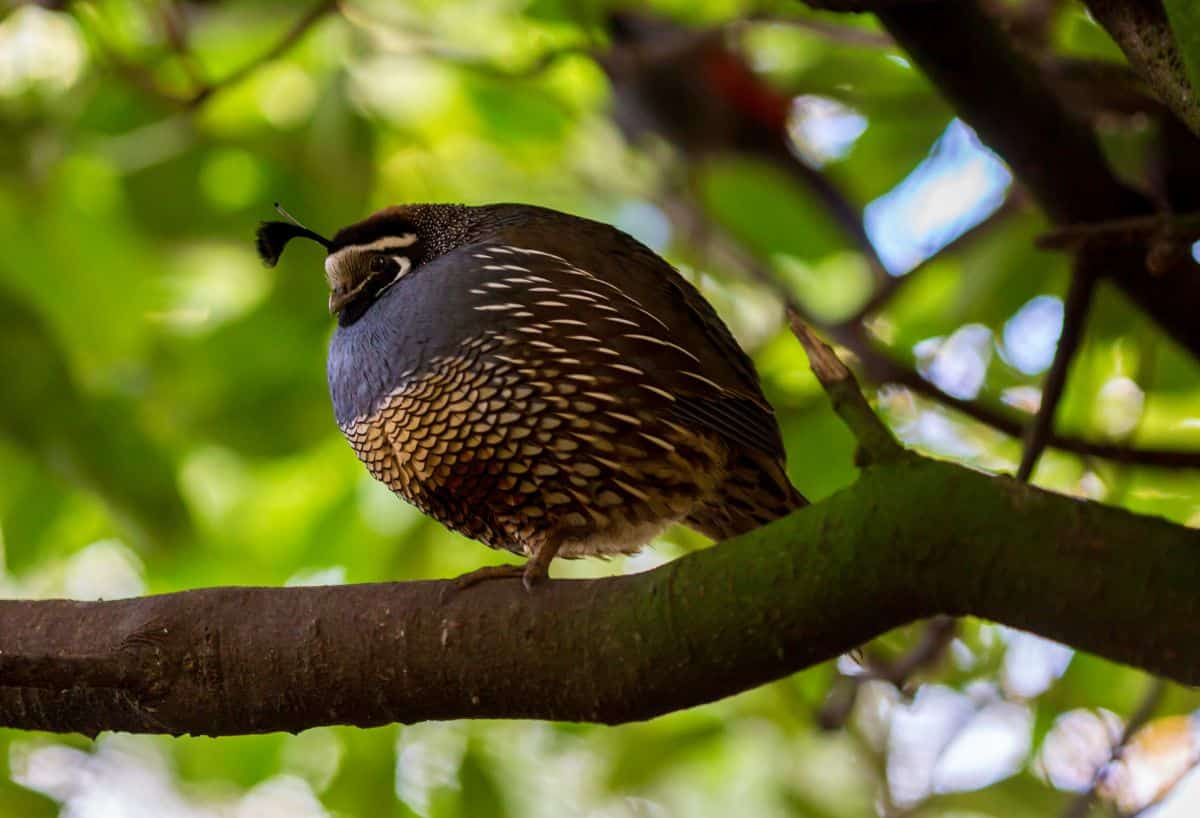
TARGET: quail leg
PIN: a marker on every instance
(537, 567)
(535, 570)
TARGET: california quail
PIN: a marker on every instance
(540, 382)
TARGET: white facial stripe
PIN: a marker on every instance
(386, 243)
(405, 266)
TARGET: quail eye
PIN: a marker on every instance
(380, 264)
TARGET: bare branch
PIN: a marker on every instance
(413, 42)
(175, 28)
(1053, 153)
(136, 75)
(1100, 90)
(873, 436)
(846, 214)
(1075, 310)
(903, 542)
(936, 636)
(880, 367)
(1137, 230)
(202, 90)
(281, 46)
(1166, 237)
(1151, 699)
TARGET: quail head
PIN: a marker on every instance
(540, 382)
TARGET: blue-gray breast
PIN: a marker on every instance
(541, 382)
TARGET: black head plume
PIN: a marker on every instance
(272, 237)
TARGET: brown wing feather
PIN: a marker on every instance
(726, 397)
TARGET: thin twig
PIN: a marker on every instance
(1151, 699)
(1167, 237)
(845, 213)
(1137, 230)
(939, 632)
(174, 27)
(875, 439)
(881, 367)
(936, 636)
(1075, 310)
(136, 75)
(201, 91)
(1100, 90)
(281, 46)
(417, 43)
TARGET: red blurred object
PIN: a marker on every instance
(688, 87)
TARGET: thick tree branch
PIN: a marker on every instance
(912, 537)
(1141, 30)
(964, 54)
(909, 539)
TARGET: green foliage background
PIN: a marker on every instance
(165, 423)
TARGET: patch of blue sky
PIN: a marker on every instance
(822, 129)
(957, 186)
(1031, 335)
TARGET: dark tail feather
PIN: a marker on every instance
(754, 494)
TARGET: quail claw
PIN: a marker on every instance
(484, 574)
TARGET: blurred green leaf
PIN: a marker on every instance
(94, 443)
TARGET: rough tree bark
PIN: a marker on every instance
(911, 538)
(1142, 31)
